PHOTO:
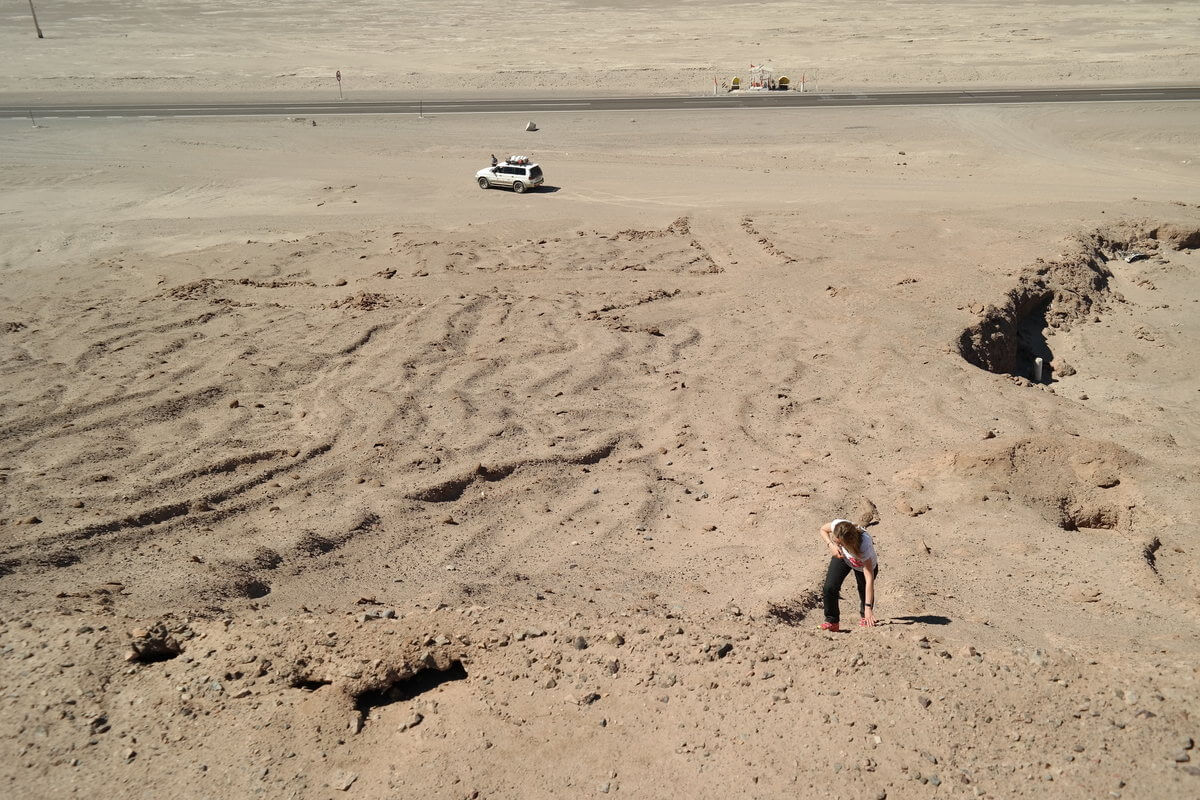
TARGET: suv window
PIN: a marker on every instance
(513, 171)
(535, 172)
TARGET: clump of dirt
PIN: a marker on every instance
(794, 611)
(1178, 237)
(364, 301)
(158, 642)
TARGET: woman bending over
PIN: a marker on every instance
(852, 551)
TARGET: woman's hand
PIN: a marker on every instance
(870, 617)
(834, 551)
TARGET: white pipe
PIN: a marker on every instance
(1037, 370)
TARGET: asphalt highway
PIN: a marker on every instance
(734, 100)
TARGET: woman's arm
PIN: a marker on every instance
(869, 574)
(827, 535)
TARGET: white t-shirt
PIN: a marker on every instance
(868, 550)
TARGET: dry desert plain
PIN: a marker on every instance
(325, 474)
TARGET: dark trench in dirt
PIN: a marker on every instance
(405, 689)
(1032, 344)
(1012, 333)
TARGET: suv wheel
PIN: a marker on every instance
(483, 183)
(519, 187)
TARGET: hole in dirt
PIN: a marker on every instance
(1074, 517)
(308, 685)
(793, 612)
(151, 655)
(252, 588)
(1053, 295)
(1032, 343)
(406, 689)
(1008, 339)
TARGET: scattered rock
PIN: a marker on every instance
(614, 638)
(156, 643)
(412, 721)
(867, 513)
(342, 781)
(579, 643)
(923, 701)
(1182, 757)
(1080, 595)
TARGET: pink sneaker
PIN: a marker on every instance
(830, 626)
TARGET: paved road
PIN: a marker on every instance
(727, 101)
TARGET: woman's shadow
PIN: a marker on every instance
(921, 619)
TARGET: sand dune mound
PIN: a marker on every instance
(1073, 482)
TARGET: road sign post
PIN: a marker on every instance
(339, 80)
(37, 27)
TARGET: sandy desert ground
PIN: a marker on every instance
(326, 474)
(293, 47)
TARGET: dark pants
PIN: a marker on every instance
(838, 570)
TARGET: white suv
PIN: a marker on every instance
(516, 171)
